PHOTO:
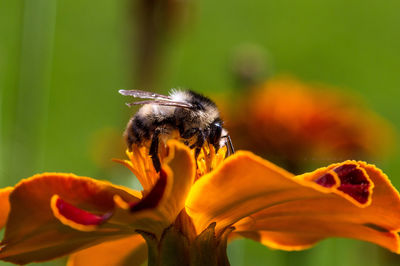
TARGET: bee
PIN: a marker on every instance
(193, 116)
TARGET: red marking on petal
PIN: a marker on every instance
(354, 182)
(327, 180)
(152, 199)
(79, 216)
(358, 192)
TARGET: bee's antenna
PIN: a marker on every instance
(230, 144)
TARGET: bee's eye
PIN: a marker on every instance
(215, 132)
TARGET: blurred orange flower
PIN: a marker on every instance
(186, 213)
(298, 124)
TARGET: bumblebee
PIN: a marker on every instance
(193, 116)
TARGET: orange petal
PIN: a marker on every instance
(33, 233)
(299, 225)
(145, 215)
(130, 251)
(296, 233)
(348, 179)
(179, 172)
(76, 218)
(136, 211)
(182, 165)
(236, 189)
(128, 164)
(298, 211)
(4, 205)
(280, 240)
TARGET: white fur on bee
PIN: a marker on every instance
(153, 112)
(179, 96)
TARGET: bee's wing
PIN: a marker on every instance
(158, 99)
(164, 103)
(144, 94)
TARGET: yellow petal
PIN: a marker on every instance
(128, 251)
(142, 166)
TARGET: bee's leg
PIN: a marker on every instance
(199, 144)
(154, 150)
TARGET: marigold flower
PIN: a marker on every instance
(299, 124)
(187, 212)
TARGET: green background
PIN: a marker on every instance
(61, 63)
